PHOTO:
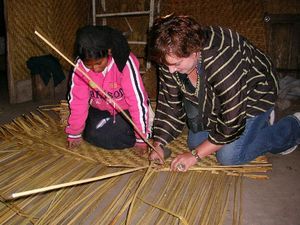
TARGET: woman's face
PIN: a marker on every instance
(96, 65)
(182, 65)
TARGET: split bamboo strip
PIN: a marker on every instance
(123, 197)
(36, 117)
(125, 206)
(26, 205)
(215, 194)
(6, 158)
(191, 197)
(58, 204)
(68, 184)
(163, 215)
(147, 175)
(182, 219)
(49, 118)
(211, 213)
(60, 207)
(41, 220)
(97, 195)
(56, 174)
(20, 123)
(9, 130)
(240, 182)
(9, 170)
(66, 215)
(17, 210)
(202, 191)
(2, 132)
(87, 193)
(159, 196)
(32, 211)
(30, 120)
(11, 215)
(223, 207)
(9, 179)
(175, 203)
(69, 151)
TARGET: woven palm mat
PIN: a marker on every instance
(33, 155)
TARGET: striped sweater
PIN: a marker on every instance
(240, 82)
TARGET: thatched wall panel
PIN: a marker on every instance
(56, 20)
(22, 20)
(248, 20)
(283, 7)
(59, 20)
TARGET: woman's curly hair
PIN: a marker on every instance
(178, 35)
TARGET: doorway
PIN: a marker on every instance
(3, 70)
(284, 43)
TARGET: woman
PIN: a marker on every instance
(223, 87)
(104, 55)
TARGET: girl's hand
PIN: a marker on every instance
(140, 148)
(74, 142)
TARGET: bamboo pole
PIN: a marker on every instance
(95, 86)
(73, 183)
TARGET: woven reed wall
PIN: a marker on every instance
(57, 20)
(139, 26)
(283, 7)
(243, 16)
(22, 19)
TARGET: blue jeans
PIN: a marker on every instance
(259, 137)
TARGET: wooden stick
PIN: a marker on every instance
(73, 183)
(95, 86)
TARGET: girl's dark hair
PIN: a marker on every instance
(93, 42)
(178, 35)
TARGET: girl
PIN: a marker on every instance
(104, 54)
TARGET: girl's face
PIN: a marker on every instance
(182, 65)
(96, 65)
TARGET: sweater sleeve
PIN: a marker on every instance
(136, 97)
(169, 115)
(228, 79)
(78, 99)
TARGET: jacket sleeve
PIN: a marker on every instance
(136, 97)
(228, 79)
(78, 98)
(170, 116)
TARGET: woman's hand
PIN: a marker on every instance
(183, 162)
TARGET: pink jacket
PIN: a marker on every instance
(125, 88)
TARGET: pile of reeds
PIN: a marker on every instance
(43, 182)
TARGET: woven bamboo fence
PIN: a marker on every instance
(121, 187)
(60, 19)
